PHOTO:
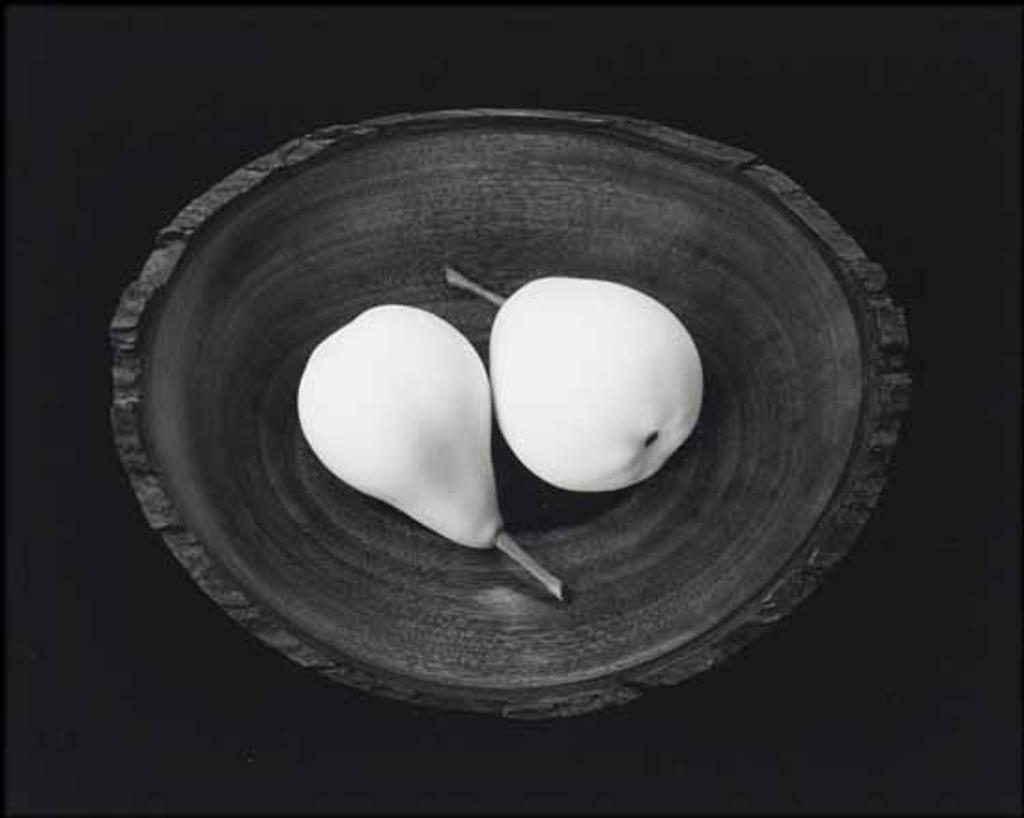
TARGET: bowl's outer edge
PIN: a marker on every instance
(885, 342)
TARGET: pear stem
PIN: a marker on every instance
(552, 583)
(458, 280)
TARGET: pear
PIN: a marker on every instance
(595, 384)
(397, 404)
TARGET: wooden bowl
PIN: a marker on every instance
(805, 386)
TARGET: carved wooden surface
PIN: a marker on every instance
(804, 356)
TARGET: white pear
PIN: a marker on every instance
(595, 383)
(397, 404)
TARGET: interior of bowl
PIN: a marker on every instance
(651, 567)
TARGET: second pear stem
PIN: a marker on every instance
(552, 583)
(458, 280)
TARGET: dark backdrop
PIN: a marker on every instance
(894, 688)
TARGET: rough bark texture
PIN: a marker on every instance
(883, 343)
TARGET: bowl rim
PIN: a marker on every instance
(884, 340)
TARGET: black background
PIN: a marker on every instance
(894, 688)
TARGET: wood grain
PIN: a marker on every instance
(804, 356)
